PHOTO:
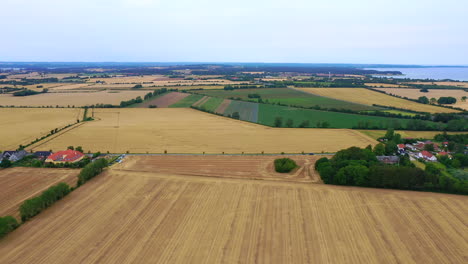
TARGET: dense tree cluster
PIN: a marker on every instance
(34, 206)
(447, 100)
(284, 165)
(91, 170)
(360, 167)
(7, 224)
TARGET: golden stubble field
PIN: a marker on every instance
(23, 125)
(433, 93)
(144, 217)
(184, 130)
(368, 97)
(76, 99)
(19, 184)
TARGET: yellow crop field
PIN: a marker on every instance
(144, 217)
(433, 93)
(375, 134)
(76, 99)
(459, 84)
(23, 125)
(184, 130)
(368, 97)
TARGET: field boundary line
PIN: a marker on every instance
(46, 140)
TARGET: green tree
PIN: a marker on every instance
(429, 147)
(7, 224)
(289, 123)
(236, 115)
(379, 149)
(423, 100)
(390, 133)
(6, 163)
(79, 148)
(278, 121)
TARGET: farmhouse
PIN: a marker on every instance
(13, 155)
(426, 155)
(65, 156)
(388, 159)
(42, 155)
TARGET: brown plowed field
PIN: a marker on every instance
(143, 217)
(224, 166)
(223, 106)
(19, 184)
(165, 100)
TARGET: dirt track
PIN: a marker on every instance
(19, 184)
(144, 217)
(242, 167)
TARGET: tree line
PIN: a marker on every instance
(359, 167)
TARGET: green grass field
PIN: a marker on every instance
(212, 104)
(268, 113)
(187, 101)
(288, 97)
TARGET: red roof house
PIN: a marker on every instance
(65, 156)
(401, 146)
(427, 155)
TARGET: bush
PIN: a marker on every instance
(7, 224)
(34, 206)
(91, 170)
(285, 165)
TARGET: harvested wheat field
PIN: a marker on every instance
(20, 184)
(164, 100)
(458, 84)
(76, 99)
(375, 134)
(433, 93)
(224, 166)
(368, 97)
(23, 125)
(144, 217)
(179, 130)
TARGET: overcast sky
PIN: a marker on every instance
(326, 31)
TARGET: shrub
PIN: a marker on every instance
(34, 206)
(91, 170)
(7, 224)
(285, 165)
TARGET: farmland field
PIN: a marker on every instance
(248, 111)
(375, 134)
(433, 93)
(259, 167)
(458, 84)
(365, 96)
(212, 104)
(141, 130)
(77, 99)
(19, 184)
(268, 113)
(289, 97)
(164, 100)
(187, 101)
(23, 125)
(142, 217)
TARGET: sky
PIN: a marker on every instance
(426, 32)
